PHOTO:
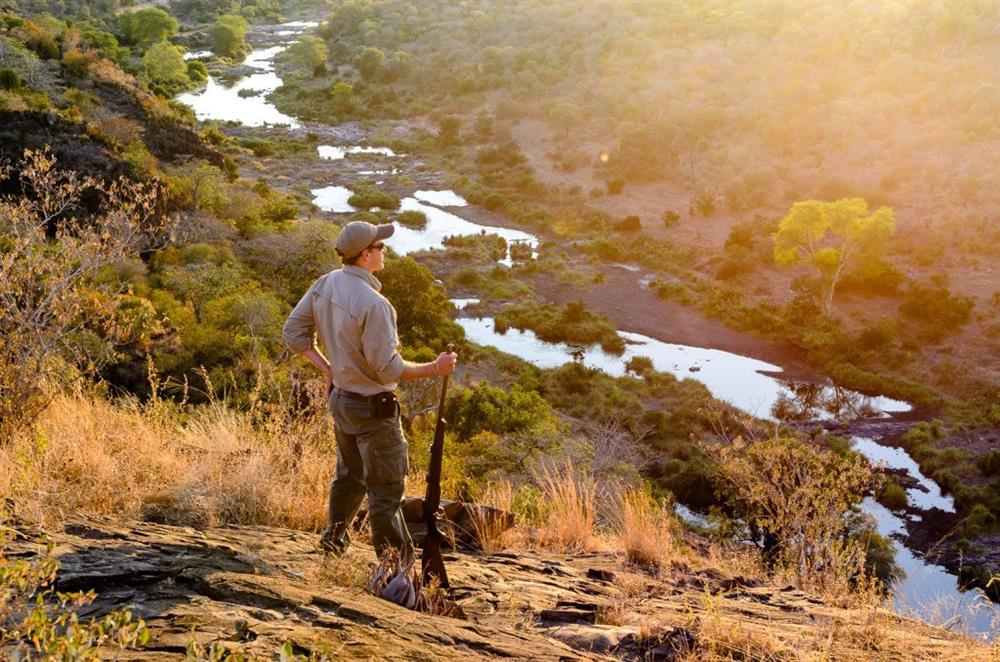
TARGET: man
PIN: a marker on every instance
(357, 329)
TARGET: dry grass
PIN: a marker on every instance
(571, 517)
(353, 569)
(202, 465)
(491, 528)
(644, 531)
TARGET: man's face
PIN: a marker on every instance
(375, 257)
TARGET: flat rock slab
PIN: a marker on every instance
(254, 588)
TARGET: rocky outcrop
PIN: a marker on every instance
(255, 588)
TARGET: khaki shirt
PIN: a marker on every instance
(356, 327)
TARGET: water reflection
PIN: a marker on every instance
(218, 101)
(738, 380)
(928, 591)
(930, 496)
(337, 152)
(333, 198)
(807, 401)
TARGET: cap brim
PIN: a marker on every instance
(384, 231)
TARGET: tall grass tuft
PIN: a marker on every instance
(644, 530)
(571, 517)
(492, 528)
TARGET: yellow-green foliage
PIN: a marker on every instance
(832, 235)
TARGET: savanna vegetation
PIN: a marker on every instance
(751, 149)
(635, 133)
(142, 291)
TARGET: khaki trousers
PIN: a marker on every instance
(372, 459)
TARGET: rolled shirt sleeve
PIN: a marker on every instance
(299, 331)
(380, 342)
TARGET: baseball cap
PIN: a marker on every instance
(356, 236)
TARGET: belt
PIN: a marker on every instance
(353, 396)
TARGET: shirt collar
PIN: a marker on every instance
(364, 275)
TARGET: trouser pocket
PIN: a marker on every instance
(387, 454)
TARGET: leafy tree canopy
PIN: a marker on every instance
(164, 64)
(147, 25)
(831, 236)
(228, 35)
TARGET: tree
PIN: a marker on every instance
(56, 315)
(798, 501)
(369, 62)
(228, 35)
(831, 236)
(164, 64)
(565, 115)
(309, 53)
(424, 312)
(147, 25)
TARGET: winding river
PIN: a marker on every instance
(928, 592)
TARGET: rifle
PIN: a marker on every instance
(431, 561)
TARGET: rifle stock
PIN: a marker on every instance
(431, 561)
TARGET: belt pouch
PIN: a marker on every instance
(384, 405)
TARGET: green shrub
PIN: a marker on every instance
(878, 335)
(412, 218)
(979, 520)
(989, 463)
(520, 251)
(572, 324)
(936, 308)
(498, 410)
(893, 496)
(488, 247)
(639, 365)
(367, 197)
(9, 80)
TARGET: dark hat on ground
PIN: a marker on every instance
(356, 236)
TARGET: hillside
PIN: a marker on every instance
(713, 434)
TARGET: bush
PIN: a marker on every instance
(9, 80)
(670, 218)
(520, 251)
(989, 463)
(412, 218)
(936, 308)
(500, 411)
(367, 197)
(803, 508)
(615, 185)
(572, 324)
(893, 496)
(639, 365)
(630, 223)
(979, 520)
(703, 204)
(878, 335)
